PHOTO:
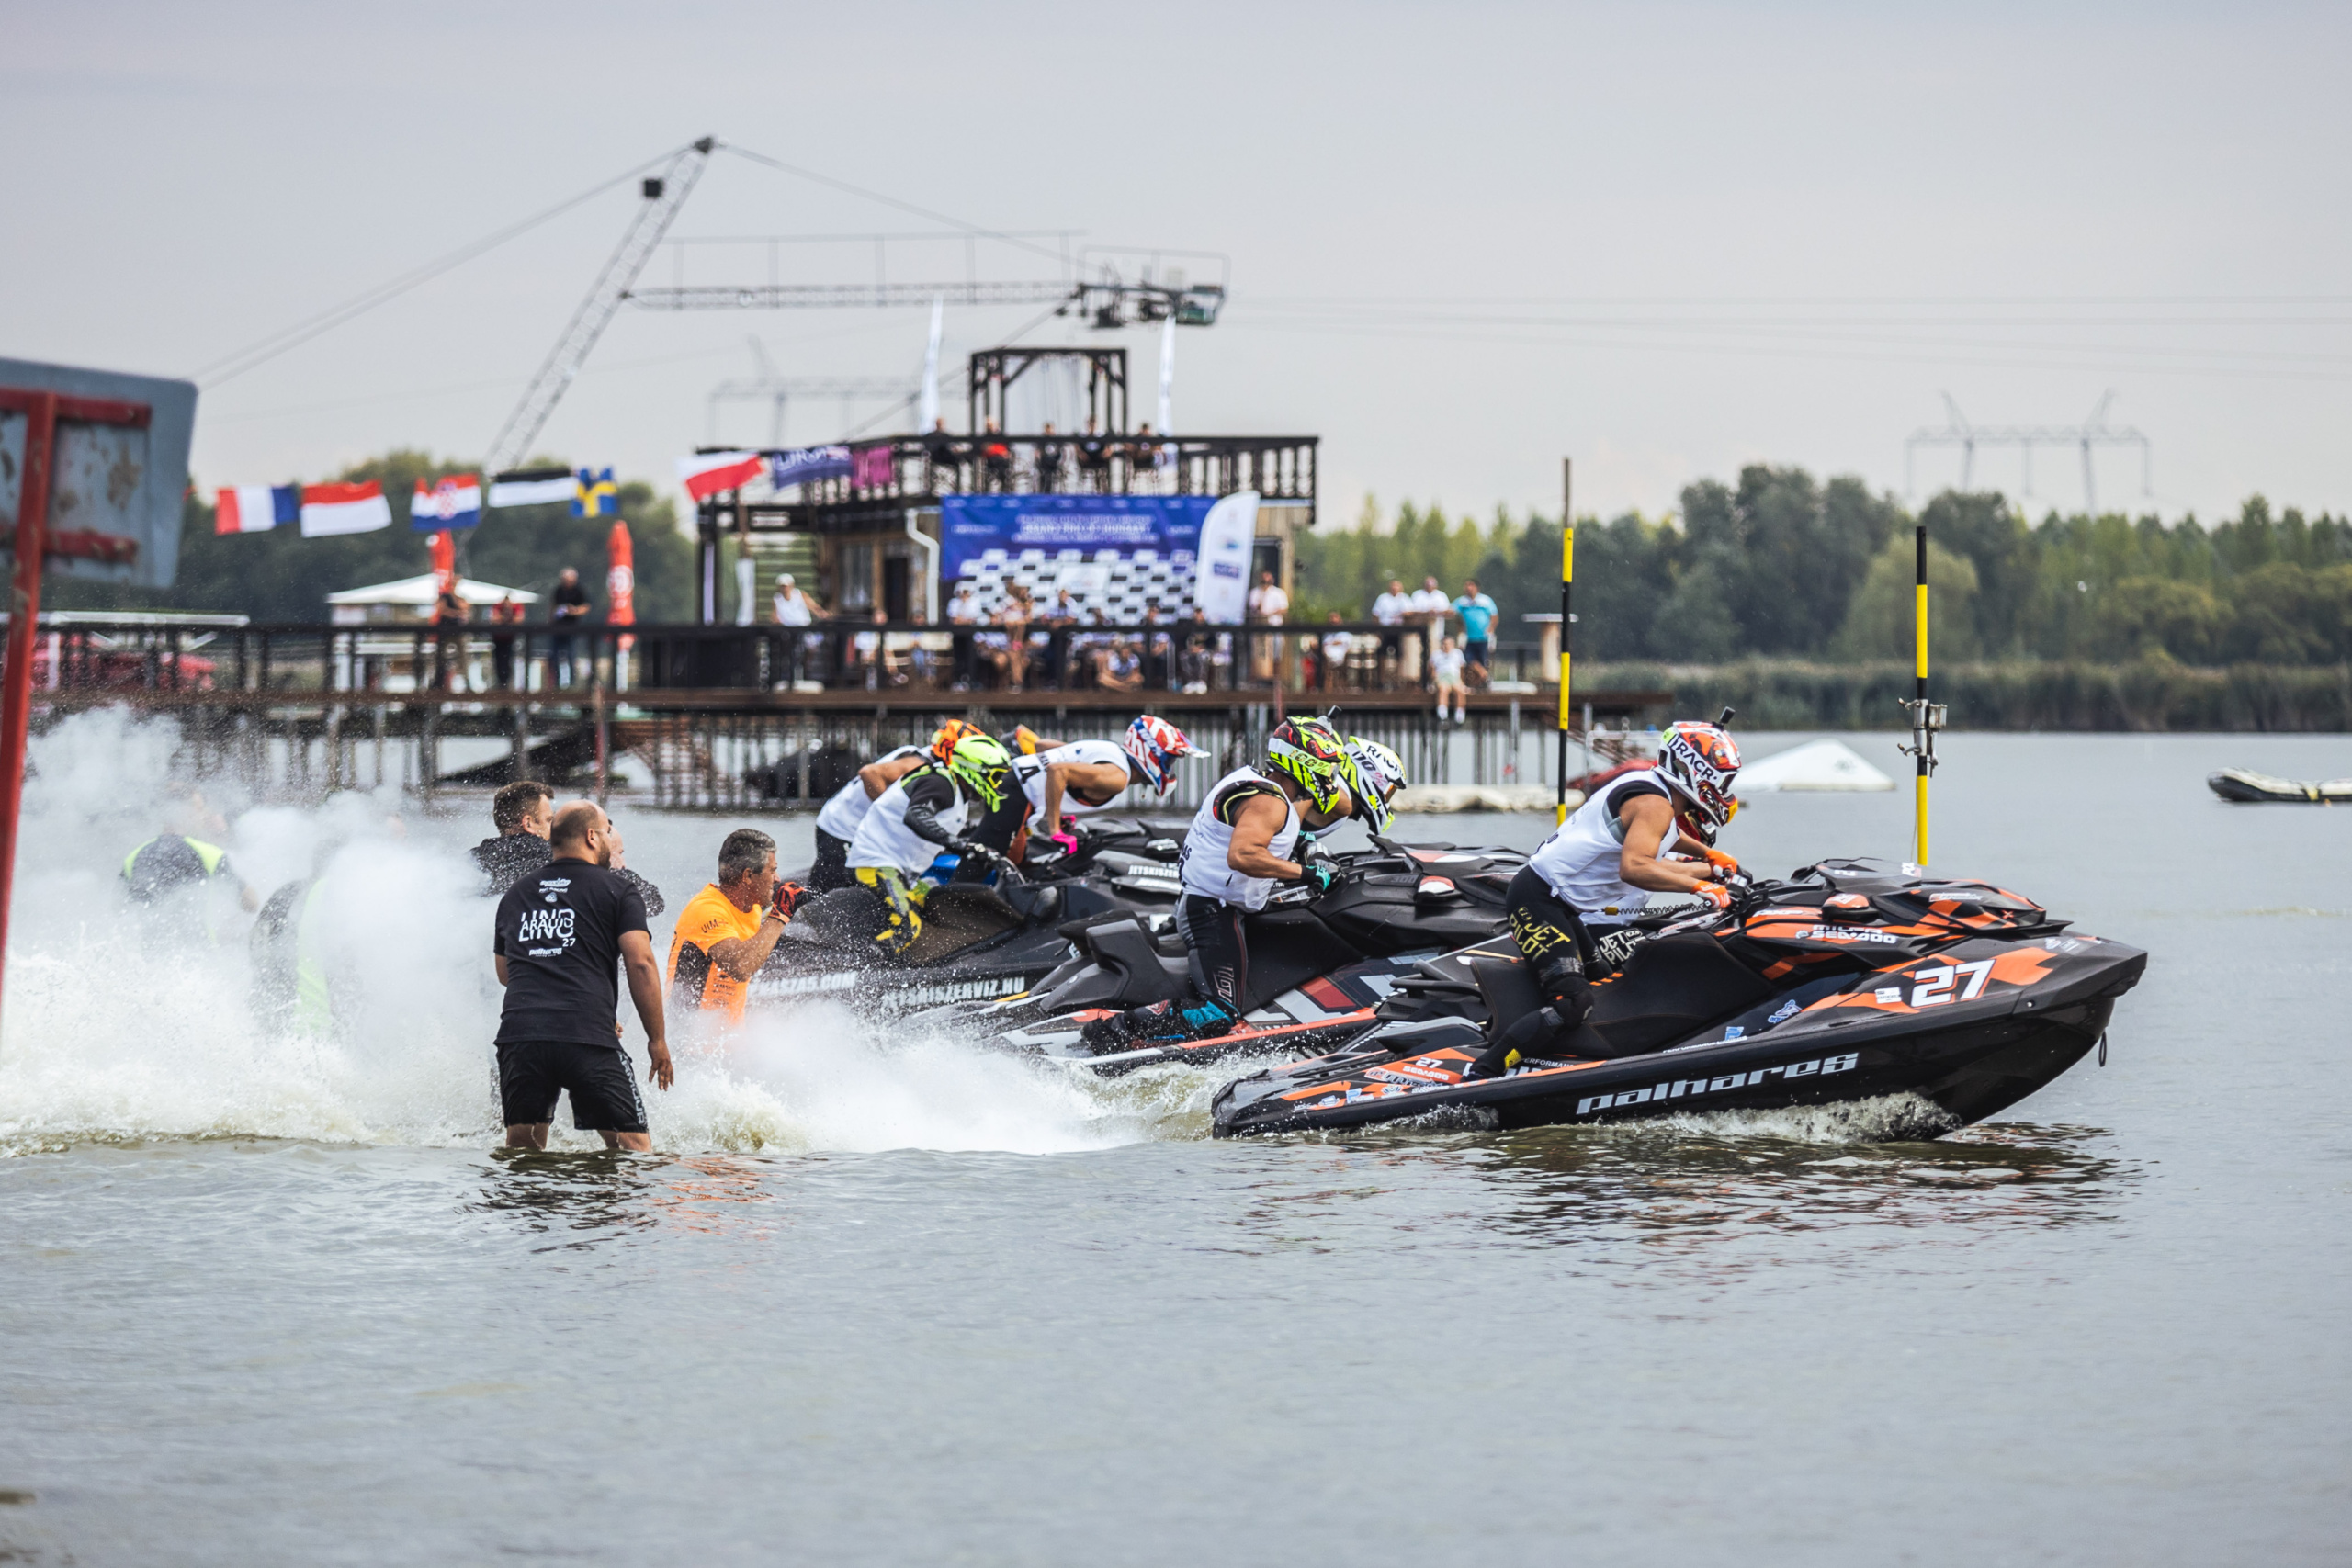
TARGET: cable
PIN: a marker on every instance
(1008, 238)
(906, 402)
(262, 351)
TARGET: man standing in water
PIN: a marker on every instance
(562, 938)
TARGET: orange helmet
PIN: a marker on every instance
(943, 742)
(1699, 762)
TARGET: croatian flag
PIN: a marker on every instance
(344, 509)
(455, 502)
(707, 474)
(255, 509)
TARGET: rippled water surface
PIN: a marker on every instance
(881, 1299)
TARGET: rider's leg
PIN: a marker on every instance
(901, 924)
(1219, 959)
(1549, 936)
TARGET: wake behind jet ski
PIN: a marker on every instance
(1846, 983)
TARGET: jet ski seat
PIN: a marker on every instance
(1672, 987)
(955, 917)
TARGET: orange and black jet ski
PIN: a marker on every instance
(1848, 982)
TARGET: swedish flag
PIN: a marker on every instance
(596, 495)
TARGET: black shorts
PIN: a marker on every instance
(830, 869)
(1477, 650)
(601, 1079)
(1216, 949)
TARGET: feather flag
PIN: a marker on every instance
(454, 502)
(595, 494)
(707, 474)
(328, 510)
(255, 509)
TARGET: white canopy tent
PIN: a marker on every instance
(411, 599)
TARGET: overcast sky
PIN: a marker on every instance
(1465, 240)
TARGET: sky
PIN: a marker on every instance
(1464, 241)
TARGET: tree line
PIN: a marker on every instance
(280, 576)
(1783, 565)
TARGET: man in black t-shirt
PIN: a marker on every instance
(567, 607)
(561, 937)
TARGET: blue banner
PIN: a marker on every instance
(805, 465)
(973, 526)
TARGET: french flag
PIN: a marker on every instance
(707, 474)
(344, 509)
(454, 502)
(254, 509)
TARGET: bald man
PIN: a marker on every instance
(562, 936)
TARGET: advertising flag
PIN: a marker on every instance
(620, 578)
(707, 474)
(255, 509)
(1221, 583)
(874, 467)
(328, 510)
(595, 494)
(445, 561)
(533, 487)
(453, 502)
(807, 464)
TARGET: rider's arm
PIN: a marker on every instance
(1649, 822)
(1106, 779)
(879, 776)
(925, 796)
(741, 956)
(1315, 821)
(1254, 827)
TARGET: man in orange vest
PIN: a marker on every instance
(726, 930)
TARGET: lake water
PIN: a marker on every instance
(880, 1300)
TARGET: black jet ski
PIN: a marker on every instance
(1848, 982)
(1319, 963)
(2245, 787)
(978, 942)
(1134, 858)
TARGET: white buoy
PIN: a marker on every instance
(1815, 765)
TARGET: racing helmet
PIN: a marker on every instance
(944, 740)
(1697, 761)
(1154, 743)
(1312, 753)
(1020, 738)
(981, 764)
(1375, 774)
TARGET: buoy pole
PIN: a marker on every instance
(1568, 626)
(1926, 717)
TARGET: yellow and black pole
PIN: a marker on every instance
(1567, 624)
(1926, 717)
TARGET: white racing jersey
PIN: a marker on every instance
(1579, 862)
(884, 838)
(850, 803)
(1205, 869)
(1031, 771)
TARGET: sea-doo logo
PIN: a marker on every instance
(1680, 1088)
(1847, 933)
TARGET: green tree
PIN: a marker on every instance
(1880, 624)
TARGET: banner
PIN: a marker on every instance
(532, 486)
(872, 468)
(1222, 585)
(454, 502)
(973, 525)
(805, 465)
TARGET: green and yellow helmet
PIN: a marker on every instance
(1311, 752)
(981, 764)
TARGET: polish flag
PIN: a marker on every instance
(254, 509)
(706, 474)
(344, 509)
(454, 502)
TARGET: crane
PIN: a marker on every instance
(662, 196)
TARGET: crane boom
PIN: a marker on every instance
(662, 197)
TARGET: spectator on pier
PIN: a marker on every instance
(567, 607)
(562, 937)
(1390, 610)
(1094, 459)
(1060, 619)
(1118, 668)
(1337, 647)
(450, 614)
(1199, 657)
(1445, 671)
(1146, 455)
(795, 611)
(1156, 650)
(1014, 658)
(996, 458)
(726, 930)
(504, 615)
(962, 615)
(942, 451)
(1269, 605)
(1478, 612)
(1049, 461)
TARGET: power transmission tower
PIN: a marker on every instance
(2093, 432)
(663, 194)
(777, 391)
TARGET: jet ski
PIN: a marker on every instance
(2245, 787)
(1319, 963)
(978, 942)
(1134, 858)
(1847, 982)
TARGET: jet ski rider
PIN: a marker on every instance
(926, 812)
(1085, 776)
(1572, 905)
(1236, 851)
(837, 824)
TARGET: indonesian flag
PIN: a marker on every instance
(344, 509)
(706, 474)
(454, 502)
(254, 509)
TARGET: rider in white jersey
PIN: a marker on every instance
(928, 810)
(1087, 776)
(1237, 849)
(1572, 903)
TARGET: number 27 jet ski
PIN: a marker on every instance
(1846, 983)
